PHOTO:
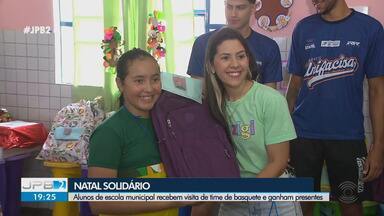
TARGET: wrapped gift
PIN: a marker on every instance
(20, 134)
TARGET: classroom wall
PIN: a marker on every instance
(303, 8)
(16, 14)
(27, 82)
(27, 76)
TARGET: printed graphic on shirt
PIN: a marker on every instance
(243, 130)
(310, 44)
(323, 69)
(360, 168)
(353, 44)
(330, 43)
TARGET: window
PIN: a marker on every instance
(209, 15)
(63, 26)
(78, 34)
(182, 41)
(79, 31)
(200, 14)
(216, 15)
(182, 35)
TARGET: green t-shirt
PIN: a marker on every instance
(126, 143)
(260, 118)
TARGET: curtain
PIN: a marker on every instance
(168, 16)
(87, 34)
(179, 35)
(135, 23)
(130, 17)
(112, 17)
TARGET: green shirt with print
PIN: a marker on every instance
(126, 143)
(260, 118)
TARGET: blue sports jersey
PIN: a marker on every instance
(333, 58)
(265, 51)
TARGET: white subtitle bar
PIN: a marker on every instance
(211, 197)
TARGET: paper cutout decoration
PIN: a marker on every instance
(112, 46)
(273, 15)
(156, 35)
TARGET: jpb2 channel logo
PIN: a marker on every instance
(44, 184)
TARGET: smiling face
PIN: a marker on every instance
(231, 64)
(324, 7)
(238, 13)
(141, 87)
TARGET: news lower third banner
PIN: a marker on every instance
(169, 189)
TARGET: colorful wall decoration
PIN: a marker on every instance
(156, 31)
(112, 47)
(273, 15)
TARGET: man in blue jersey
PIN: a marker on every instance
(331, 54)
(265, 50)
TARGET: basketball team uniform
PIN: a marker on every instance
(333, 58)
(265, 52)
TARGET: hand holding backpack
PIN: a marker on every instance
(191, 142)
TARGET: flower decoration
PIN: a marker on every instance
(155, 42)
(112, 46)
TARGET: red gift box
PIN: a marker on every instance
(20, 134)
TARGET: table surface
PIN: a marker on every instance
(8, 153)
